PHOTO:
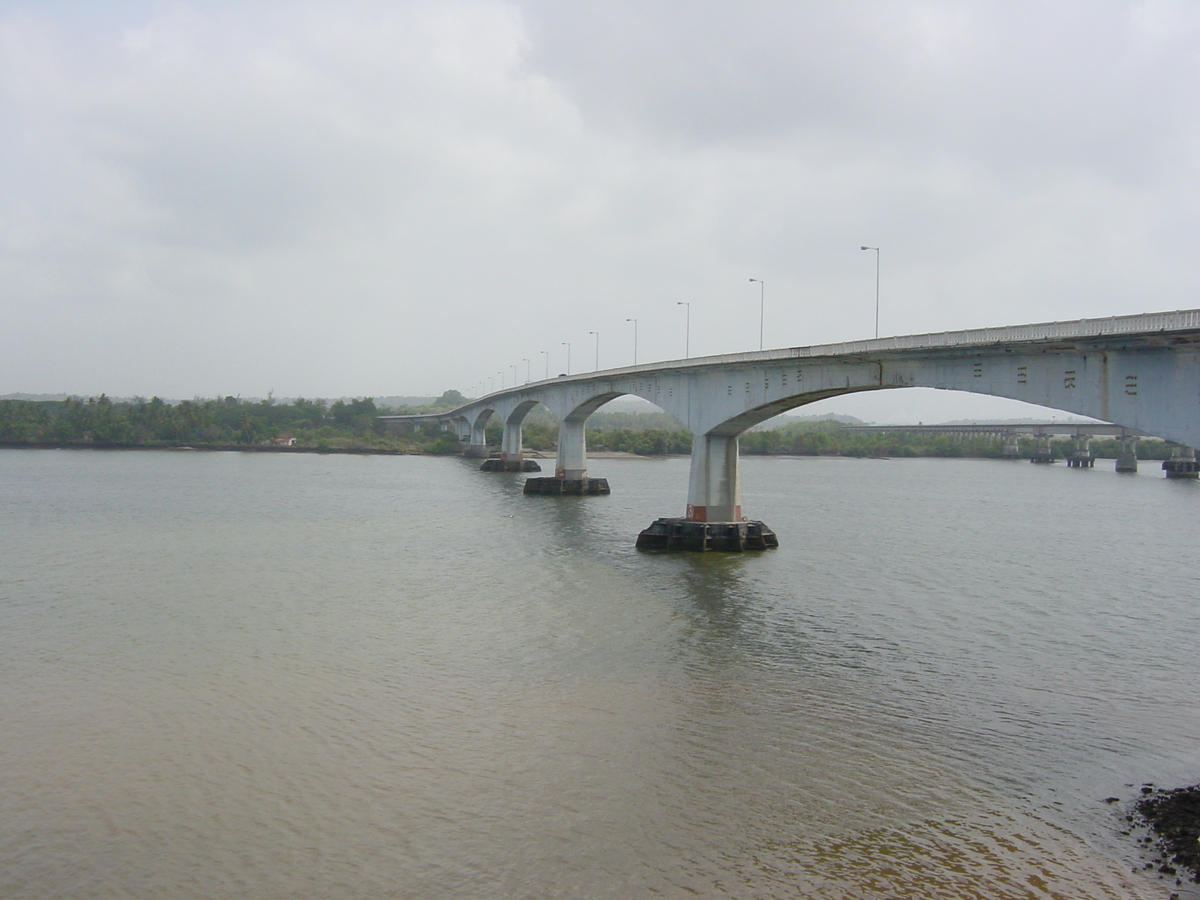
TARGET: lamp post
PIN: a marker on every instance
(568, 346)
(634, 321)
(501, 374)
(687, 329)
(762, 289)
(514, 368)
(597, 334)
(491, 383)
(876, 249)
(546, 353)
(527, 378)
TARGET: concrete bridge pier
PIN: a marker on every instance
(1081, 457)
(511, 458)
(1041, 451)
(1127, 457)
(1182, 464)
(714, 509)
(1012, 445)
(570, 469)
(477, 440)
(714, 484)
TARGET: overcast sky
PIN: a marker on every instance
(376, 198)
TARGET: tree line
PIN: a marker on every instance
(317, 424)
(223, 421)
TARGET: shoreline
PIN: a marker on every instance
(395, 451)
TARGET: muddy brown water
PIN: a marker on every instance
(255, 676)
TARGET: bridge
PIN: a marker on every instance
(1140, 372)
(1081, 433)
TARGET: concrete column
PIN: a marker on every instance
(1042, 452)
(510, 445)
(572, 450)
(1183, 463)
(1081, 457)
(714, 486)
(477, 449)
(1127, 458)
(1012, 445)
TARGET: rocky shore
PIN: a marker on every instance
(1173, 818)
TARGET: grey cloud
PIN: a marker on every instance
(1006, 84)
(400, 198)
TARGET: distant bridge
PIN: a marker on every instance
(1081, 433)
(1037, 429)
(1140, 372)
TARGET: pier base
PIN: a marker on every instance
(687, 534)
(1181, 468)
(559, 487)
(1042, 450)
(510, 465)
(1127, 464)
(1081, 461)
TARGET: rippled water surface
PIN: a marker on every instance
(292, 676)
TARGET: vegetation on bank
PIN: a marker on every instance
(353, 425)
(831, 438)
(826, 438)
(223, 422)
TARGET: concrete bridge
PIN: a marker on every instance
(1081, 434)
(1140, 372)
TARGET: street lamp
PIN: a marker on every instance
(687, 329)
(514, 368)
(501, 374)
(527, 378)
(762, 289)
(876, 249)
(597, 334)
(546, 353)
(634, 321)
(568, 346)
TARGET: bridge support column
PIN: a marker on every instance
(572, 451)
(1127, 458)
(1041, 451)
(1081, 457)
(1182, 464)
(477, 448)
(714, 509)
(714, 485)
(570, 469)
(1012, 446)
(511, 458)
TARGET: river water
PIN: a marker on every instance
(261, 676)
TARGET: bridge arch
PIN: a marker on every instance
(744, 421)
(512, 438)
(479, 426)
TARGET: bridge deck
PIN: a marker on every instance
(1139, 326)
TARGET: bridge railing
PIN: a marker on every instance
(1180, 320)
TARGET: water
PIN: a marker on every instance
(267, 676)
